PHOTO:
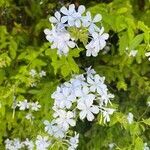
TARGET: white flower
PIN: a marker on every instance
(73, 17)
(63, 97)
(87, 109)
(133, 53)
(23, 105)
(84, 94)
(32, 72)
(68, 14)
(97, 43)
(97, 84)
(42, 143)
(89, 71)
(29, 116)
(89, 22)
(78, 16)
(58, 131)
(35, 106)
(148, 55)
(53, 129)
(8, 144)
(29, 144)
(17, 143)
(130, 118)
(13, 144)
(49, 127)
(57, 20)
(105, 98)
(91, 50)
(77, 81)
(60, 40)
(106, 114)
(42, 74)
(65, 119)
(74, 142)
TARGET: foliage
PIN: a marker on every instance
(23, 47)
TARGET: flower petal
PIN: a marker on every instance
(82, 115)
(57, 15)
(53, 20)
(97, 18)
(72, 122)
(71, 44)
(78, 23)
(47, 31)
(64, 19)
(71, 8)
(94, 109)
(64, 10)
(81, 106)
(81, 9)
(90, 116)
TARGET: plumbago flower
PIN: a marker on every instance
(73, 142)
(60, 37)
(30, 106)
(97, 43)
(87, 110)
(41, 143)
(83, 97)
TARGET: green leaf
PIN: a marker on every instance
(147, 121)
(136, 41)
(122, 10)
(139, 145)
(13, 49)
(123, 42)
(2, 75)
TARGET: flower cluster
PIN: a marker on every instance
(83, 97)
(41, 143)
(62, 20)
(31, 106)
(33, 73)
(24, 105)
(35, 76)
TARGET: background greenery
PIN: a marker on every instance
(23, 47)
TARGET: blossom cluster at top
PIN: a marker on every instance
(60, 37)
(83, 97)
